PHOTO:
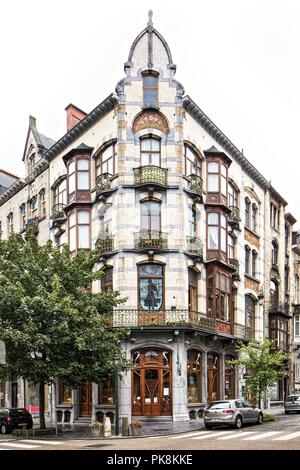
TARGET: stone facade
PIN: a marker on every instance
(168, 154)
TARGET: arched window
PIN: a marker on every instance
(151, 286)
(192, 161)
(150, 216)
(22, 216)
(60, 193)
(254, 263)
(193, 290)
(106, 160)
(247, 260)
(150, 151)
(229, 378)
(247, 213)
(107, 280)
(274, 253)
(274, 294)
(10, 223)
(150, 89)
(42, 203)
(194, 376)
(213, 377)
(33, 208)
(254, 218)
(250, 315)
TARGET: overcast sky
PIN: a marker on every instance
(239, 60)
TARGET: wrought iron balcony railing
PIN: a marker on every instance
(150, 239)
(103, 182)
(194, 245)
(131, 318)
(234, 216)
(105, 243)
(58, 212)
(279, 308)
(151, 174)
(196, 184)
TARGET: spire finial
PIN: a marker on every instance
(150, 16)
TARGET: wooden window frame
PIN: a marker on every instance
(247, 260)
(219, 253)
(252, 322)
(215, 293)
(254, 263)
(76, 225)
(23, 216)
(150, 152)
(61, 393)
(99, 159)
(230, 375)
(76, 191)
(34, 211)
(297, 325)
(151, 277)
(233, 199)
(42, 203)
(60, 196)
(154, 74)
(223, 198)
(196, 164)
(195, 367)
(149, 216)
(231, 247)
(10, 223)
(193, 287)
(106, 282)
(217, 374)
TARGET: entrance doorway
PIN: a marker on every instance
(152, 383)
(85, 400)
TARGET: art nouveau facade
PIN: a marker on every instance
(182, 219)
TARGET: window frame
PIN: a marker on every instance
(139, 277)
(77, 225)
(99, 159)
(154, 74)
(150, 152)
(23, 216)
(196, 164)
(42, 210)
(77, 172)
(233, 199)
(60, 196)
(220, 229)
(150, 216)
(10, 223)
(296, 325)
(194, 368)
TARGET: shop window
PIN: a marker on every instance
(151, 286)
(213, 377)
(64, 392)
(194, 376)
(229, 378)
(106, 392)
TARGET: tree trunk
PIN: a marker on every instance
(42, 405)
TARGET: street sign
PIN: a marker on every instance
(2, 353)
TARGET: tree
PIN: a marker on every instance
(264, 365)
(52, 324)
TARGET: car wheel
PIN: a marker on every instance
(4, 429)
(238, 422)
(208, 426)
(260, 419)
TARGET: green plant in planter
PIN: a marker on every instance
(97, 428)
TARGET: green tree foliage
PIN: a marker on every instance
(51, 323)
(263, 365)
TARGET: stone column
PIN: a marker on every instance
(179, 392)
(222, 376)
(204, 377)
(125, 391)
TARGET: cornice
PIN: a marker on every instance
(194, 110)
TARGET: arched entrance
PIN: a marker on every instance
(152, 382)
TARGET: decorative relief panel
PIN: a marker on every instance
(223, 327)
(150, 119)
(252, 284)
(252, 238)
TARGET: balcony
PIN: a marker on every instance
(151, 175)
(128, 318)
(105, 243)
(234, 216)
(195, 246)
(103, 183)
(58, 213)
(234, 263)
(33, 224)
(277, 308)
(196, 185)
(150, 239)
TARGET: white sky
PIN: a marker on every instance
(239, 60)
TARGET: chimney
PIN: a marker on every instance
(74, 115)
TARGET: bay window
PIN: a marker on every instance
(150, 286)
(219, 296)
(78, 177)
(217, 233)
(213, 177)
(217, 182)
(79, 230)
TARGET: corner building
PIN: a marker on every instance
(179, 215)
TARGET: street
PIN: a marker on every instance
(282, 434)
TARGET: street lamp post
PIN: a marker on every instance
(116, 362)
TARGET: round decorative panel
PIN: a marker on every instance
(150, 119)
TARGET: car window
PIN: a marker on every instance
(219, 406)
(239, 404)
(247, 404)
(18, 412)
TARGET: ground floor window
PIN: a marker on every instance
(64, 392)
(229, 378)
(2, 394)
(106, 392)
(194, 376)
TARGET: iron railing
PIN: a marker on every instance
(151, 174)
(194, 245)
(150, 239)
(196, 184)
(135, 318)
(234, 216)
(103, 182)
(278, 308)
(58, 212)
(105, 243)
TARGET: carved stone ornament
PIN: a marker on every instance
(150, 119)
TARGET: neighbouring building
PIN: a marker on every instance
(190, 233)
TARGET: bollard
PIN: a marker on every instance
(107, 427)
(125, 427)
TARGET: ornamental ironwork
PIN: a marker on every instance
(151, 174)
(103, 182)
(150, 239)
(196, 184)
(105, 243)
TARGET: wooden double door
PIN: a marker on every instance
(85, 400)
(152, 383)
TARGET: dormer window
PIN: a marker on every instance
(150, 89)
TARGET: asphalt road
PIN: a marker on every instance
(283, 434)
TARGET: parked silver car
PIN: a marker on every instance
(292, 403)
(231, 412)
